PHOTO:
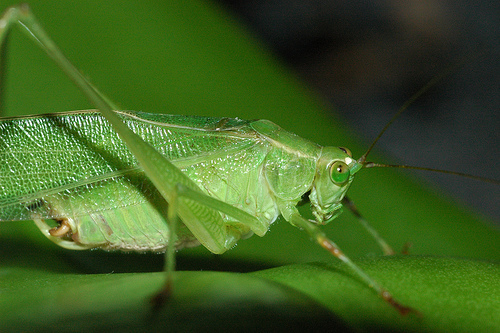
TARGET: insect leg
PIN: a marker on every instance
(159, 299)
(3, 54)
(293, 216)
(21, 14)
(184, 193)
(386, 248)
(243, 217)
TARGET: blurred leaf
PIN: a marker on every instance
(451, 294)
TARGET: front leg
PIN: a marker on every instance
(386, 248)
(292, 215)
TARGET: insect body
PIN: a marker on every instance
(82, 175)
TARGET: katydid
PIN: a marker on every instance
(208, 181)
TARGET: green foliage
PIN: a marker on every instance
(192, 58)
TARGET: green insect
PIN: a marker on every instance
(199, 180)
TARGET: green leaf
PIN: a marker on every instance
(451, 295)
(193, 58)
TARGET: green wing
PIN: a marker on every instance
(77, 156)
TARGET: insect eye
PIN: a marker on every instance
(345, 150)
(339, 172)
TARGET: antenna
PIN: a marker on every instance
(380, 165)
(430, 84)
(435, 80)
(451, 69)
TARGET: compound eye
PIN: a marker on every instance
(339, 173)
(345, 150)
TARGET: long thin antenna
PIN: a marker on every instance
(430, 84)
(379, 165)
